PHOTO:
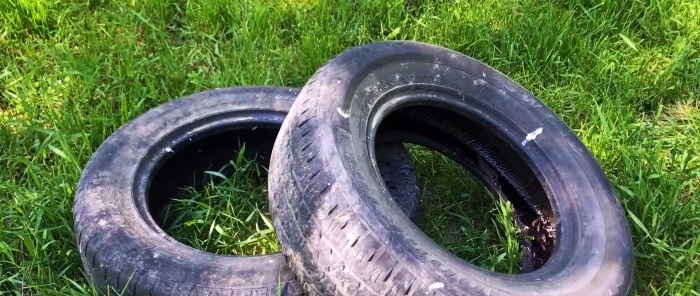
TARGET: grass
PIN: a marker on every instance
(624, 75)
(230, 215)
(462, 215)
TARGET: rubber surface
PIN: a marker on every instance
(341, 234)
(142, 166)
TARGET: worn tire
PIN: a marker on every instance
(139, 168)
(341, 234)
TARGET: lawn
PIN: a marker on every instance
(624, 75)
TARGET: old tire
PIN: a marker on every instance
(139, 168)
(343, 237)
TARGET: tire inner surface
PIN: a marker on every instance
(491, 160)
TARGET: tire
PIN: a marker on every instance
(341, 234)
(138, 169)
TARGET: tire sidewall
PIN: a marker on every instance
(593, 252)
(109, 219)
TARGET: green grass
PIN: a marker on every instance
(624, 75)
(462, 215)
(230, 215)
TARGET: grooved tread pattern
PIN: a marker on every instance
(121, 256)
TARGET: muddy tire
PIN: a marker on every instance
(343, 236)
(140, 168)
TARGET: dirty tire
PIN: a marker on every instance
(141, 167)
(343, 236)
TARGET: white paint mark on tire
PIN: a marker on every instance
(436, 285)
(343, 114)
(531, 136)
